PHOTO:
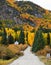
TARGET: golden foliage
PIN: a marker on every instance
(31, 38)
(0, 38)
(10, 31)
(11, 1)
(27, 27)
(25, 15)
(50, 37)
(18, 33)
(47, 12)
(45, 37)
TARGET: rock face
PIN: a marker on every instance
(28, 59)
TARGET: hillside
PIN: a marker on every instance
(24, 13)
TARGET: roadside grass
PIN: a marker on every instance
(17, 51)
(45, 60)
(5, 62)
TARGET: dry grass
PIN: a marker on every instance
(42, 55)
(23, 47)
(5, 62)
(16, 50)
(45, 60)
(44, 51)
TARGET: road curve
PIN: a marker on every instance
(27, 59)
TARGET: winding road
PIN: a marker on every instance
(27, 59)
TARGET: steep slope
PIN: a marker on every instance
(24, 13)
(27, 7)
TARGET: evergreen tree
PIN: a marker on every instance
(38, 42)
(4, 38)
(48, 39)
(10, 39)
(27, 37)
(0, 24)
(21, 38)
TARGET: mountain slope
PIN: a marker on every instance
(24, 13)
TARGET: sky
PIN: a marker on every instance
(46, 4)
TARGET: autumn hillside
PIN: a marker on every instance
(24, 13)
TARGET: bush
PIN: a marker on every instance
(23, 47)
(2, 51)
(9, 54)
(20, 46)
(5, 53)
(44, 51)
(14, 48)
(41, 52)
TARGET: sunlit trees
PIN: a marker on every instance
(31, 38)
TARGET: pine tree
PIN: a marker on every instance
(48, 39)
(27, 37)
(38, 42)
(10, 39)
(4, 38)
(0, 24)
(21, 38)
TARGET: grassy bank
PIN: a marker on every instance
(5, 62)
(14, 54)
(45, 60)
